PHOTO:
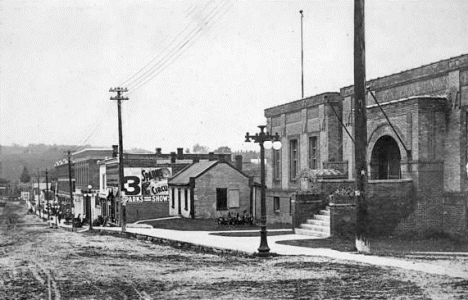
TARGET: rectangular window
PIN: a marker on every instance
(313, 153)
(186, 198)
(173, 198)
(276, 204)
(293, 158)
(290, 206)
(179, 204)
(233, 198)
(276, 165)
(221, 199)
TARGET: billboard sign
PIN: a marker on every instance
(146, 184)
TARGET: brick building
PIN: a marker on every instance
(417, 132)
(86, 175)
(146, 182)
(62, 187)
(210, 189)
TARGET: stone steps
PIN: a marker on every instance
(319, 226)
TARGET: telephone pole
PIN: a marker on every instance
(38, 194)
(360, 129)
(46, 194)
(122, 206)
(71, 190)
(302, 54)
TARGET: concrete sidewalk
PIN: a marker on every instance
(249, 245)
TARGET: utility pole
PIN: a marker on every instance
(302, 54)
(38, 194)
(122, 206)
(71, 190)
(360, 129)
(47, 194)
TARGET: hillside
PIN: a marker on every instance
(34, 157)
(40, 156)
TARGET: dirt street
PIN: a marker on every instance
(37, 262)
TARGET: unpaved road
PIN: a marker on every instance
(37, 262)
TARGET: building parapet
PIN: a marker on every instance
(297, 105)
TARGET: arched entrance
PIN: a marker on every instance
(385, 159)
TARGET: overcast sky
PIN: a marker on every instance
(197, 71)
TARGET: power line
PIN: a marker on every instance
(139, 80)
(180, 45)
(182, 48)
(125, 82)
(95, 127)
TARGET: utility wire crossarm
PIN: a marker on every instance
(119, 92)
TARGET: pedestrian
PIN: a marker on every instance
(59, 216)
(78, 221)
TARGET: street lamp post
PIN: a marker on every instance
(88, 195)
(264, 139)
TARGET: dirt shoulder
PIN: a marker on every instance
(37, 262)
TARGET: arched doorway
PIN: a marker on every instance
(385, 159)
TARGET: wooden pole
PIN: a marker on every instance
(360, 129)
(122, 205)
(47, 194)
(71, 190)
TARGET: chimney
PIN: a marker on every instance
(211, 156)
(115, 150)
(239, 162)
(180, 153)
(158, 150)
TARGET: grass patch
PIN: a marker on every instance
(395, 245)
(391, 246)
(252, 234)
(184, 224)
(328, 243)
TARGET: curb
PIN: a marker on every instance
(177, 244)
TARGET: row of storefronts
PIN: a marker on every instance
(145, 194)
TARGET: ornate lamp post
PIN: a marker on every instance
(88, 195)
(265, 140)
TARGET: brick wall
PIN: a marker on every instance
(343, 220)
(335, 134)
(429, 74)
(389, 202)
(146, 210)
(431, 86)
(306, 205)
(220, 176)
(455, 214)
(429, 178)
(452, 154)
(348, 144)
(284, 214)
(444, 213)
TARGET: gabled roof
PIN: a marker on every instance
(194, 170)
